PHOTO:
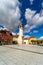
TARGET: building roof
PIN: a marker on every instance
(25, 38)
(31, 37)
(16, 36)
(4, 30)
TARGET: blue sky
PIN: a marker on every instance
(30, 12)
(33, 5)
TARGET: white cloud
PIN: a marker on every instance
(41, 12)
(29, 14)
(10, 13)
(18, 33)
(41, 38)
(13, 33)
(28, 28)
(33, 19)
(31, 2)
(3, 28)
(42, 4)
(26, 25)
(35, 31)
(26, 36)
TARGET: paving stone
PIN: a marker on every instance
(11, 56)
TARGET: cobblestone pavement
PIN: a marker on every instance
(18, 55)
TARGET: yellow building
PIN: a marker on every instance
(15, 38)
(25, 40)
(30, 40)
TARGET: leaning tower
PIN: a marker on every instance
(20, 38)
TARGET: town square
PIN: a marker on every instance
(21, 32)
(21, 55)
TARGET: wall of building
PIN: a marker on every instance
(26, 42)
(32, 38)
(5, 37)
(15, 39)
